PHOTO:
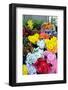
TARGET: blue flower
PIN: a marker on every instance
(51, 32)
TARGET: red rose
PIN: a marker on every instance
(42, 66)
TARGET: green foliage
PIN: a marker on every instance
(37, 23)
(32, 24)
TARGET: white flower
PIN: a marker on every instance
(41, 43)
(31, 69)
(32, 57)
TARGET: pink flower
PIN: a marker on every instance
(51, 59)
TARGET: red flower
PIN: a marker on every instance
(42, 66)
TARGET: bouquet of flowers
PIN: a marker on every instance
(40, 48)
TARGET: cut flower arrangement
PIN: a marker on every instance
(39, 47)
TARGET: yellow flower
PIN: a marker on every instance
(33, 38)
(30, 24)
(51, 44)
(24, 70)
(53, 39)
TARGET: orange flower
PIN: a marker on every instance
(44, 36)
(47, 26)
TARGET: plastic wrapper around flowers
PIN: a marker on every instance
(39, 49)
